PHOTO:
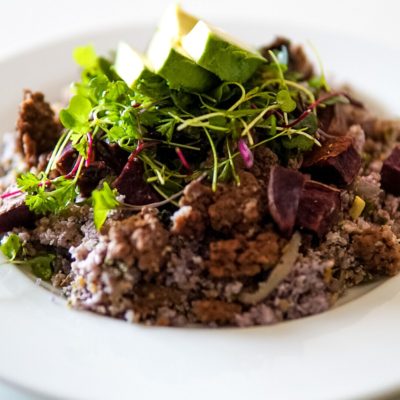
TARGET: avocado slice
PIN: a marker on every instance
(221, 54)
(134, 69)
(176, 23)
(171, 62)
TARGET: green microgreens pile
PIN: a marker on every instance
(178, 136)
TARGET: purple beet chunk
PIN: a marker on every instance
(66, 161)
(132, 184)
(284, 190)
(318, 207)
(390, 174)
(112, 155)
(332, 120)
(91, 176)
(14, 213)
(336, 161)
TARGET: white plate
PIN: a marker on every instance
(350, 352)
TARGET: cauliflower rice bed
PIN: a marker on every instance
(195, 268)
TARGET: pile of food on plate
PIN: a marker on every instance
(203, 183)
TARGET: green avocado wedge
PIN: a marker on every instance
(220, 54)
(176, 23)
(134, 69)
(171, 62)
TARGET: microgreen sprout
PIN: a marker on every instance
(170, 129)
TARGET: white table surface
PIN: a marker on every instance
(28, 23)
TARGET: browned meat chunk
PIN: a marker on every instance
(38, 128)
(336, 161)
(237, 208)
(240, 257)
(378, 249)
(132, 185)
(284, 191)
(208, 311)
(14, 213)
(191, 219)
(150, 298)
(188, 222)
(139, 240)
(390, 174)
(318, 207)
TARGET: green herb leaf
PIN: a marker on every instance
(285, 101)
(76, 115)
(298, 142)
(86, 57)
(41, 266)
(10, 246)
(104, 200)
(43, 196)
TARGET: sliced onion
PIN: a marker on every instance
(278, 274)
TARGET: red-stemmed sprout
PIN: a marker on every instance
(74, 170)
(90, 150)
(312, 106)
(182, 159)
(10, 194)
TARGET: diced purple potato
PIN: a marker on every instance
(318, 208)
(336, 161)
(14, 213)
(132, 185)
(284, 190)
(390, 174)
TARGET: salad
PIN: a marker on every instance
(203, 183)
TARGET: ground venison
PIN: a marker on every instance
(237, 208)
(38, 127)
(378, 249)
(239, 257)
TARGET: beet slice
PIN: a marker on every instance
(67, 159)
(390, 174)
(112, 155)
(132, 184)
(284, 190)
(91, 176)
(336, 161)
(14, 213)
(318, 207)
(332, 120)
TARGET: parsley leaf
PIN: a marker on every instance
(86, 57)
(41, 199)
(104, 200)
(10, 246)
(76, 115)
(285, 101)
(41, 266)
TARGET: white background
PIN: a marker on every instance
(24, 23)
(28, 23)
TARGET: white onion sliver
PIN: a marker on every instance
(278, 274)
